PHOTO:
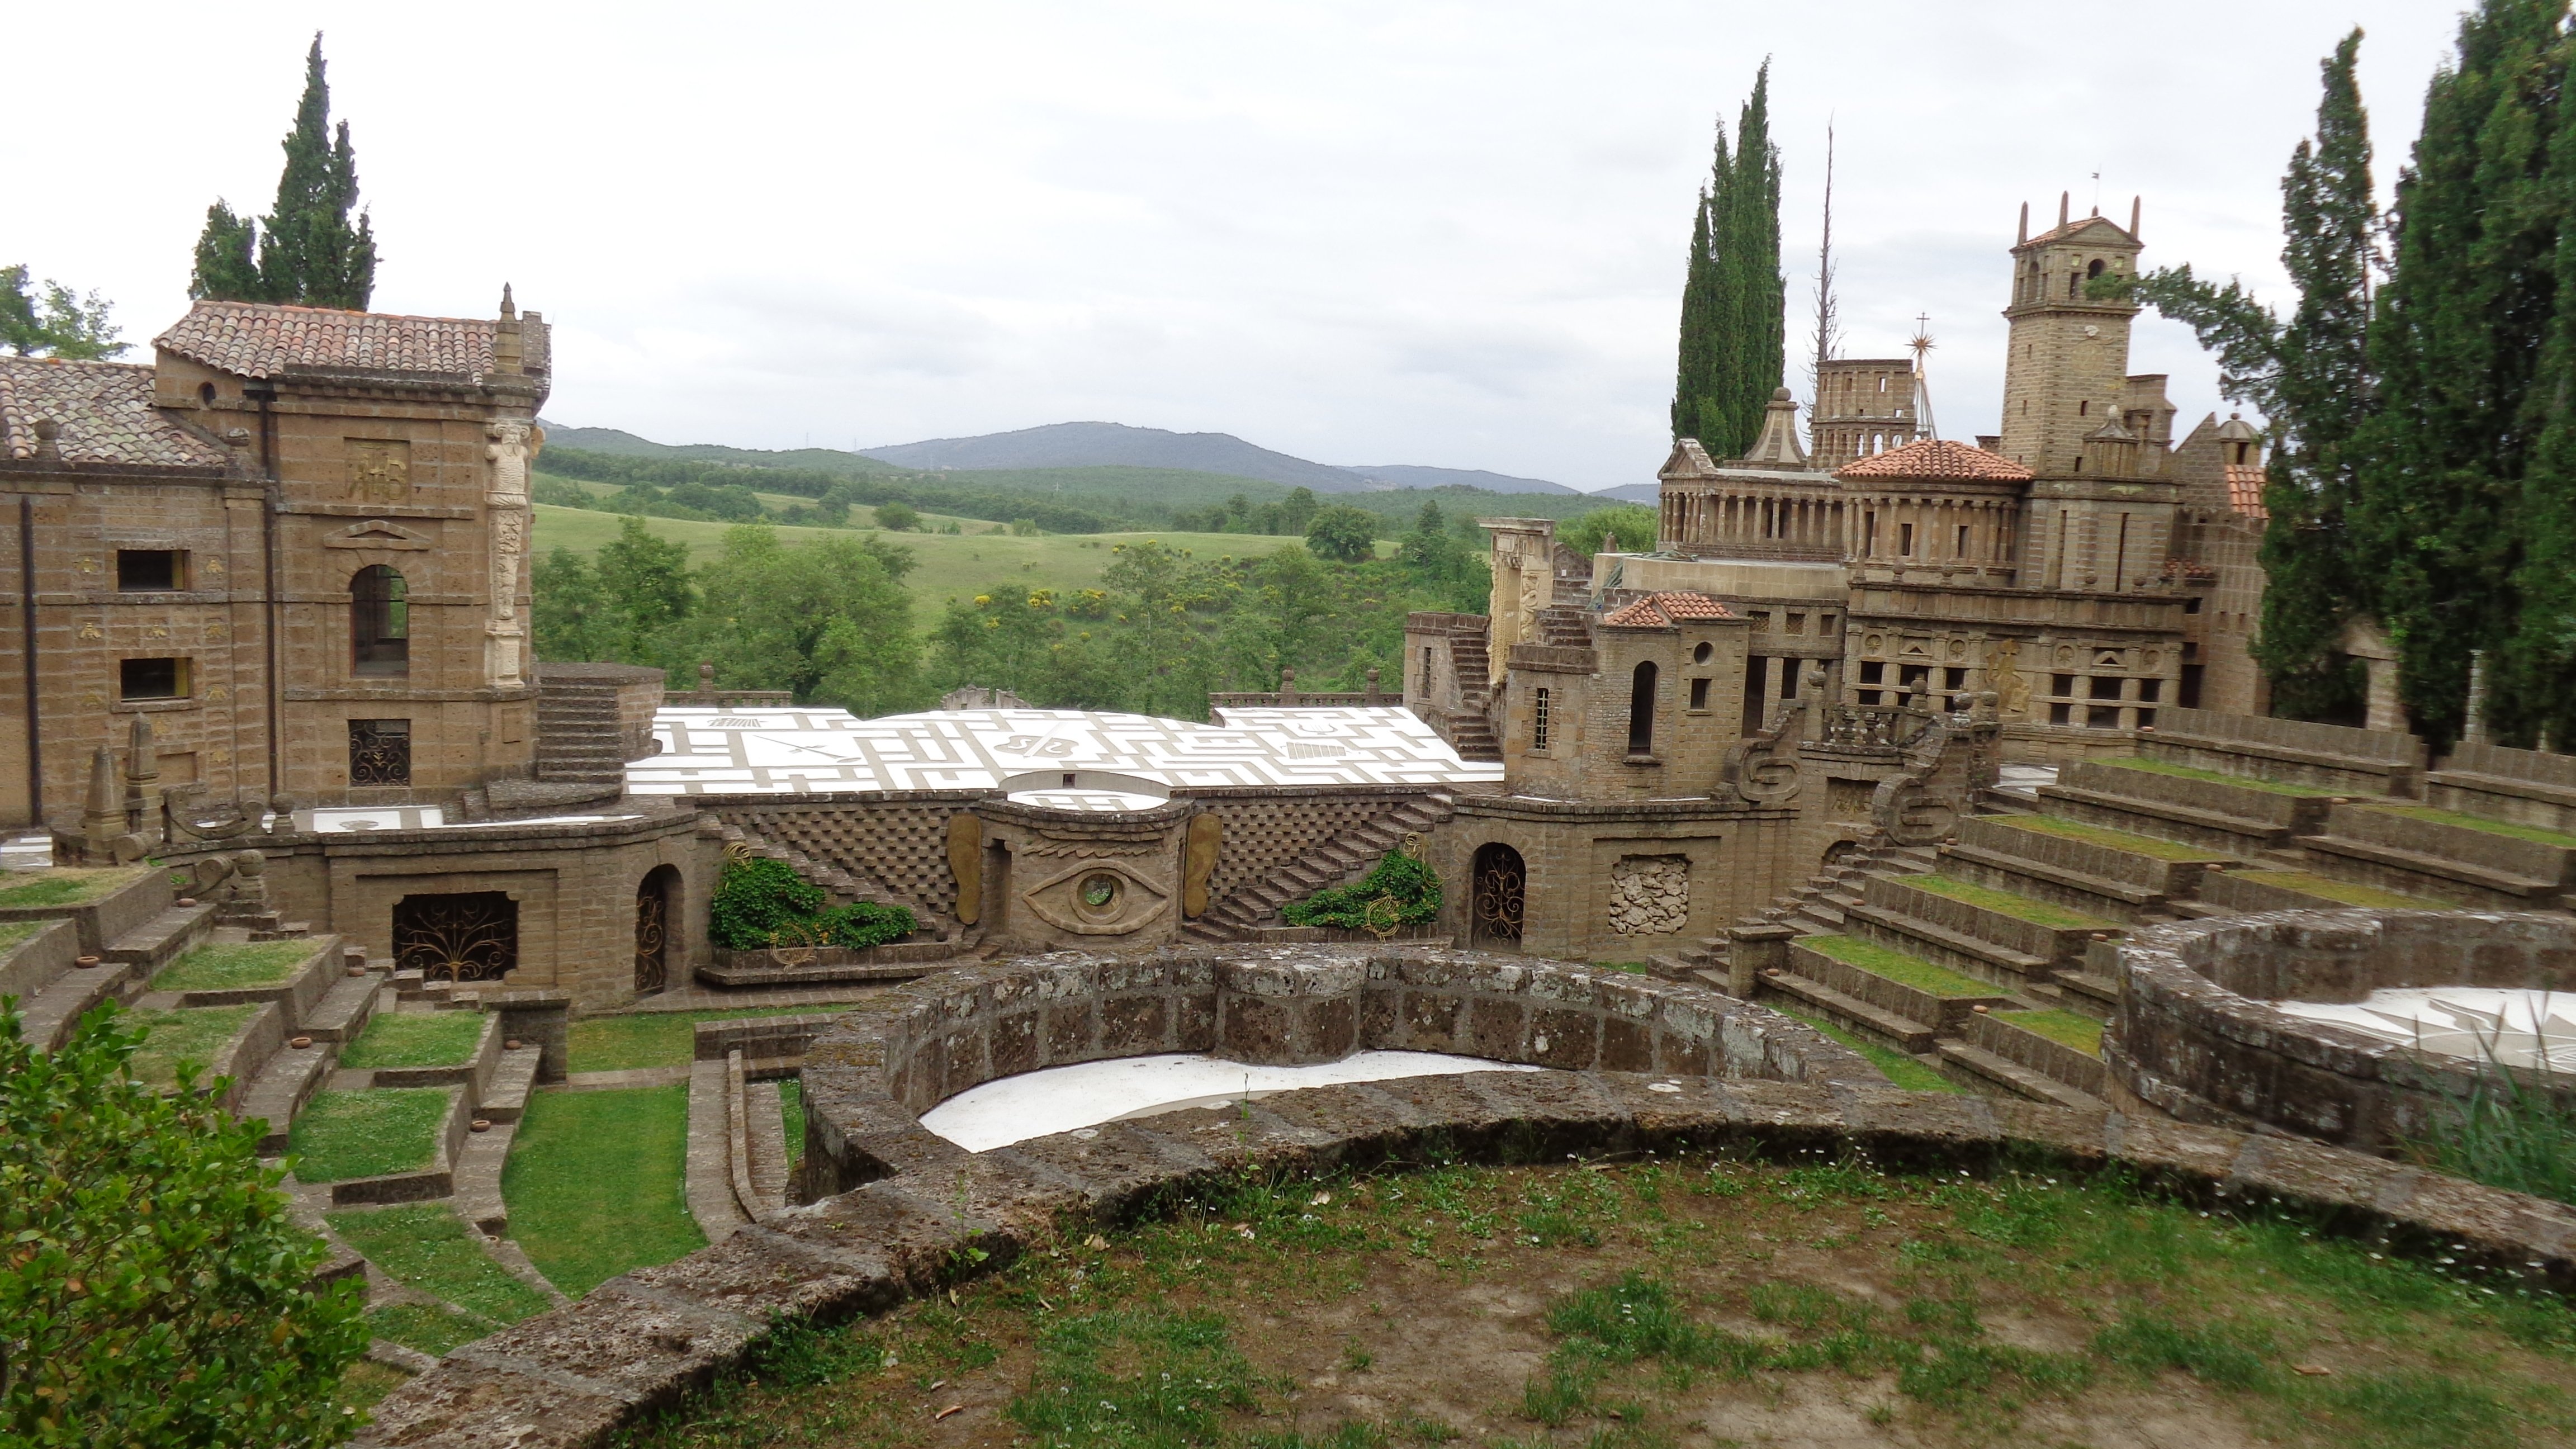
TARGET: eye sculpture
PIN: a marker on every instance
(1097, 898)
(1099, 894)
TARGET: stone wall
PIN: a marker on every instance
(2196, 1034)
(1738, 859)
(1265, 829)
(897, 839)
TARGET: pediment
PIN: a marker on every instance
(377, 533)
(1688, 460)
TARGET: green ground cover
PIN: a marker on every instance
(69, 886)
(14, 933)
(341, 1135)
(2194, 772)
(2532, 833)
(652, 1038)
(231, 966)
(1896, 966)
(192, 1034)
(1901, 1069)
(596, 1183)
(791, 1106)
(2344, 891)
(428, 1247)
(2066, 1028)
(2038, 913)
(1673, 1302)
(427, 1327)
(416, 1039)
(2110, 839)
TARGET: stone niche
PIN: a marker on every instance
(1649, 895)
(1084, 880)
(2197, 1035)
(873, 1072)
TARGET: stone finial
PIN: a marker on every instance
(509, 309)
(48, 444)
(1609, 541)
(707, 680)
(2064, 200)
(2137, 204)
(507, 353)
(103, 817)
(1287, 686)
(1372, 684)
(143, 780)
(2023, 234)
(1778, 445)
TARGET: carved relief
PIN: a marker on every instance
(379, 470)
(1649, 895)
(515, 443)
(2003, 674)
(1198, 862)
(1098, 898)
(966, 863)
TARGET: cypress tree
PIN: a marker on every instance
(2456, 343)
(1734, 299)
(2534, 682)
(308, 253)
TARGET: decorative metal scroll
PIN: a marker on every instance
(380, 752)
(473, 936)
(1496, 901)
(652, 938)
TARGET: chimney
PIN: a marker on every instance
(505, 336)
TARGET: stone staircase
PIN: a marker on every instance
(842, 887)
(578, 740)
(1993, 960)
(105, 949)
(1469, 730)
(1346, 857)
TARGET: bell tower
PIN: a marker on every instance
(2066, 373)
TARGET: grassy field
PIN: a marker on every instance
(416, 1039)
(2146, 845)
(649, 1038)
(2066, 1028)
(68, 885)
(2347, 892)
(14, 932)
(2038, 913)
(948, 566)
(1902, 1070)
(342, 1135)
(425, 1246)
(1914, 971)
(1640, 1305)
(596, 1183)
(171, 1037)
(227, 966)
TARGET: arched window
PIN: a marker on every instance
(1641, 710)
(379, 622)
(2095, 269)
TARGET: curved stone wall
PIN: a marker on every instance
(868, 1078)
(2197, 1037)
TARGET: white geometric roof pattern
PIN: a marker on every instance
(793, 750)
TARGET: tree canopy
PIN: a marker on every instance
(305, 251)
(1734, 299)
(59, 323)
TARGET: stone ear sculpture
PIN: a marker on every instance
(1198, 862)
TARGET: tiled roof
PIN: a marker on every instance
(255, 339)
(1938, 458)
(1663, 611)
(2245, 490)
(104, 410)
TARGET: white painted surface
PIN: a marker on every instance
(747, 751)
(1065, 1099)
(2515, 1028)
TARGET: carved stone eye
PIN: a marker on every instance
(1099, 894)
(1098, 898)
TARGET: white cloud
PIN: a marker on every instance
(1444, 234)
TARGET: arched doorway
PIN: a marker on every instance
(1494, 902)
(657, 911)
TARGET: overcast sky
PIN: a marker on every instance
(1366, 233)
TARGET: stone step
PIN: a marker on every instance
(2425, 874)
(1903, 1032)
(281, 1087)
(344, 1010)
(164, 938)
(2089, 992)
(2013, 1077)
(478, 1177)
(46, 1018)
(512, 1079)
(1947, 947)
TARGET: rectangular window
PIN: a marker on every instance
(2105, 686)
(2059, 714)
(1426, 669)
(1954, 680)
(2061, 685)
(1905, 539)
(2189, 695)
(1914, 676)
(2102, 717)
(1868, 534)
(380, 752)
(2149, 690)
(1872, 672)
(1699, 694)
(151, 570)
(1538, 721)
(1961, 551)
(1797, 623)
(1824, 623)
(2191, 605)
(2146, 719)
(152, 679)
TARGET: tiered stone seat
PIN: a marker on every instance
(2114, 874)
(2526, 787)
(2333, 759)
(1898, 998)
(2419, 850)
(2186, 803)
(2009, 940)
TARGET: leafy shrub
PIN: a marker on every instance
(754, 898)
(761, 902)
(1397, 876)
(153, 1291)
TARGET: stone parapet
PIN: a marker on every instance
(2528, 787)
(2333, 757)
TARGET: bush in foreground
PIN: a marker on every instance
(1399, 891)
(153, 1291)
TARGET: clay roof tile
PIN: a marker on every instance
(1937, 458)
(2245, 490)
(104, 411)
(256, 339)
(1664, 610)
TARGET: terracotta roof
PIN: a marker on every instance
(1938, 458)
(254, 339)
(2075, 225)
(1663, 611)
(104, 410)
(2245, 490)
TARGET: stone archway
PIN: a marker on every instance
(657, 915)
(1497, 897)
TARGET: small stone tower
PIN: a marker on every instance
(2066, 373)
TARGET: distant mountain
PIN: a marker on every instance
(1403, 475)
(1633, 493)
(1093, 445)
(627, 445)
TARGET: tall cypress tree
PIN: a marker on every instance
(1734, 326)
(308, 252)
(2457, 343)
(2534, 689)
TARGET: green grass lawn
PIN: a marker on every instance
(411, 1039)
(427, 1327)
(652, 1038)
(341, 1135)
(596, 1183)
(2038, 913)
(233, 966)
(2344, 891)
(2216, 777)
(428, 1247)
(68, 886)
(194, 1034)
(2533, 833)
(791, 1105)
(15, 933)
(1898, 967)
(2146, 845)
(1902, 1070)
(946, 565)
(1681, 1301)
(2066, 1028)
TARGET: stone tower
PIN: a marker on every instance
(2066, 373)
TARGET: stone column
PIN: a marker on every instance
(514, 441)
